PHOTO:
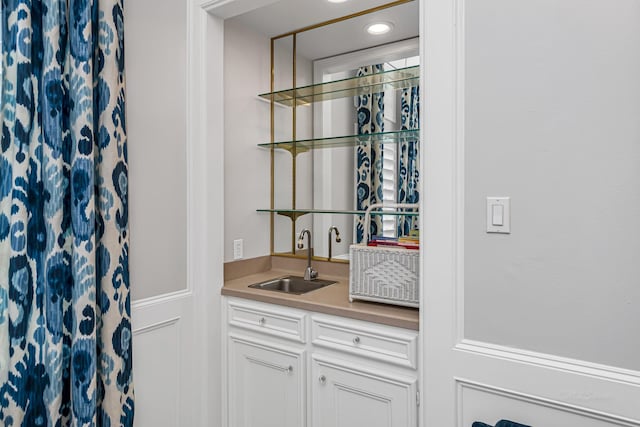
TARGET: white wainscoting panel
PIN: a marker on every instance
(156, 350)
(478, 402)
(165, 370)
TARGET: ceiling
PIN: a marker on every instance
(346, 36)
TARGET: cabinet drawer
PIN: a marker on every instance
(276, 321)
(377, 342)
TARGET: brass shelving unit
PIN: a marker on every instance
(298, 96)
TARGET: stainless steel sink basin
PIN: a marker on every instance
(292, 285)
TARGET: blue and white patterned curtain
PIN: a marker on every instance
(65, 331)
(409, 158)
(370, 116)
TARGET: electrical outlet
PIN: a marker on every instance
(237, 249)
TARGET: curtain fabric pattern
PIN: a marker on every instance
(65, 331)
(409, 158)
(370, 119)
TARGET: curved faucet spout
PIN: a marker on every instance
(309, 273)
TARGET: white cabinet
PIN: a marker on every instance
(362, 374)
(346, 394)
(350, 372)
(266, 384)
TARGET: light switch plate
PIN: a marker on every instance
(499, 215)
(237, 249)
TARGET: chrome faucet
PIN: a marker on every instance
(338, 239)
(309, 273)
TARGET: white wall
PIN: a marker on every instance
(176, 267)
(553, 121)
(156, 42)
(247, 170)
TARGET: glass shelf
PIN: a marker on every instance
(304, 145)
(296, 213)
(403, 77)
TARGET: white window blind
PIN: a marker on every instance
(389, 163)
(389, 187)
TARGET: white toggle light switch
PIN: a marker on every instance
(498, 215)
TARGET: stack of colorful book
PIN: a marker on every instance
(408, 242)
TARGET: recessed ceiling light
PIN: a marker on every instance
(336, 1)
(378, 28)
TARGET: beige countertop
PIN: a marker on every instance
(333, 299)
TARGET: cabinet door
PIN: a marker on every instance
(266, 384)
(347, 394)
